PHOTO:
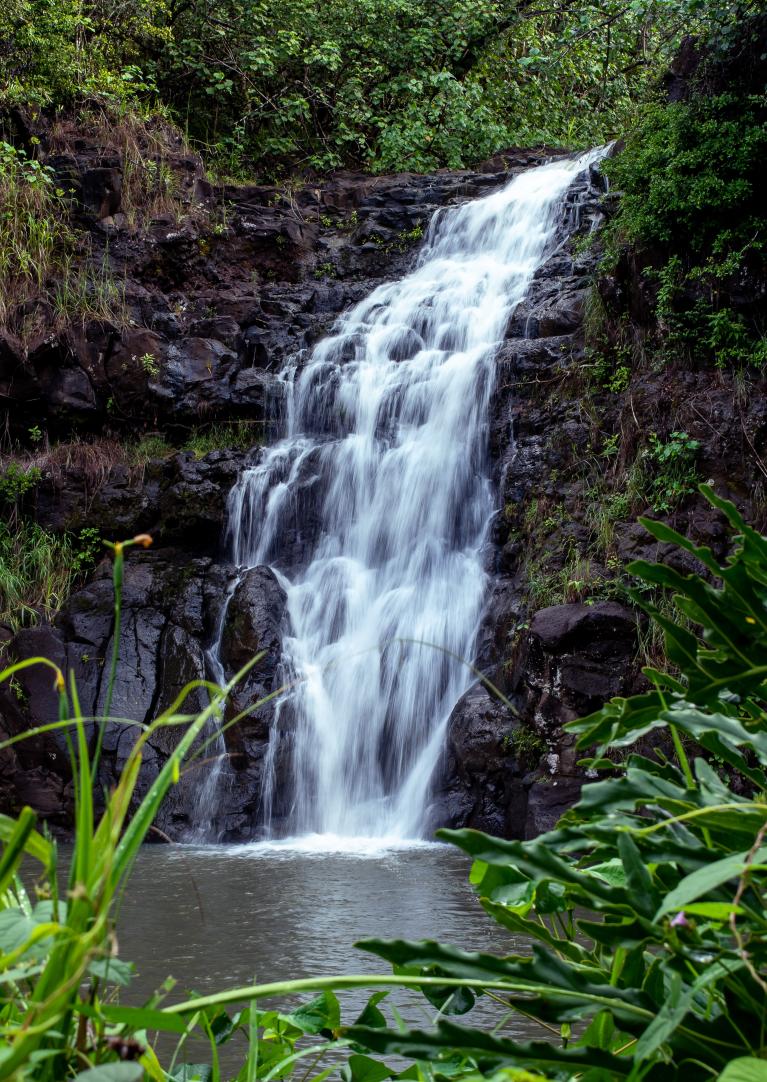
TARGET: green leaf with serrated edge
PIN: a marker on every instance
(533, 858)
(661, 532)
(532, 929)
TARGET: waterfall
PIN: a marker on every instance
(382, 483)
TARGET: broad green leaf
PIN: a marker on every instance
(744, 1069)
(112, 970)
(612, 871)
(707, 879)
(371, 1016)
(15, 929)
(321, 1013)
(449, 1036)
(193, 1072)
(712, 910)
(112, 1072)
(670, 1015)
(360, 1068)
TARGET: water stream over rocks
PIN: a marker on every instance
(382, 475)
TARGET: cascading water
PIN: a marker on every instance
(387, 425)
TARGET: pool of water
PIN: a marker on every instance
(218, 917)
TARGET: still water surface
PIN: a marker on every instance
(220, 917)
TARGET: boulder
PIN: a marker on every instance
(479, 782)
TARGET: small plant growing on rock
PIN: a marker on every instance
(147, 448)
(149, 363)
(677, 476)
(16, 481)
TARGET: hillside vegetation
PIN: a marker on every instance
(269, 87)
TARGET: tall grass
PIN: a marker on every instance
(236, 436)
(40, 255)
(31, 211)
(37, 571)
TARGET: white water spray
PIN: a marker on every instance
(387, 426)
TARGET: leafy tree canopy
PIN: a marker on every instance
(382, 84)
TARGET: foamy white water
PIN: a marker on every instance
(387, 423)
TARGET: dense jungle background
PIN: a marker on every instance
(191, 194)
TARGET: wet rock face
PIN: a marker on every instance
(216, 298)
(481, 785)
(510, 769)
(171, 603)
(213, 316)
(179, 500)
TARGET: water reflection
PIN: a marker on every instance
(222, 917)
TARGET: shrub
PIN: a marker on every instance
(15, 482)
(645, 905)
(675, 475)
(39, 255)
(691, 198)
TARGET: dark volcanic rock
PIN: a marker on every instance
(179, 500)
(481, 778)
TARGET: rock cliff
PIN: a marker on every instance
(217, 289)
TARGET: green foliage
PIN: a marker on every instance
(31, 210)
(148, 362)
(690, 176)
(526, 745)
(87, 548)
(37, 571)
(324, 270)
(55, 51)
(691, 185)
(384, 84)
(392, 84)
(38, 250)
(16, 481)
(237, 436)
(645, 904)
(674, 475)
(147, 448)
(558, 585)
